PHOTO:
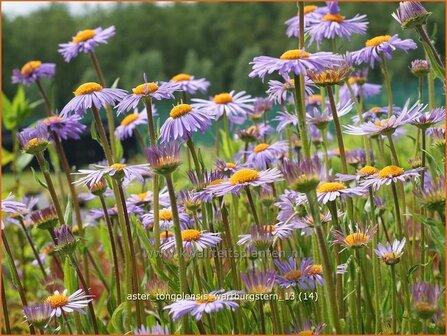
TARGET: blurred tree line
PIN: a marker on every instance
(213, 40)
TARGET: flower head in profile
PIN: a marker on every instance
(190, 84)
(293, 275)
(166, 219)
(354, 238)
(11, 206)
(85, 41)
(428, 119)
(34, 140)
(259, 282)
(360, 86)
(304, 176)
(92, 95)
(390, 174)
(411, 14)
(425, 299)
(264, 155)
(291, 62)
(334, 25)
(337, 74)
(32, 71)
(380, 47)
(321, 118)
(120, 171)
(330, 191)
(184, 120)
(306, 329)
(130, 122)
(62, 303)
(245, 177)
(66, 241)
(155, 330)
(360, 174)
(164, 158)
(44, 219)
(281, 91)
(207, 303)
(68, 127)
(312, 14)
(194, 240)
(38, 315)
(390, 253)
(235, 106)
(420, 68)
(154, 90)
(432, 195)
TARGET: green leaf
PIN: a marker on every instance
(42, 183)
(7, 157)
(23, 160)
(115, 83)
(68, 216)
(438, 71)
(93, 132)
(7, 113)
(119, 150)
(116, 320)
(70, 279)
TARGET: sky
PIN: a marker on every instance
(16, 8)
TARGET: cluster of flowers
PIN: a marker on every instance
(259, 158)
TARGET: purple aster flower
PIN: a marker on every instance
(97, 214)
(116, 170)
(292, 62)
(364, 172)
(68, 127)
(428, 119)
(381, 46)
(166, 219)
(303, 176)
(155, 90)
(11, 206)
(183, 121)
(333, 25)
(32, 71)
(155, 330)
(234, 105)
(291, 205)
(355, 238)
(260, 238)
(432, 195)
(92, 95)
(307, 329)
(391, 253)
(208, 303)
(226, 168)
(420, 68)
(254, 133)
(34, 140)
(284, 119)
(130, 122)
(359, 86)
(38, 315)
(390, 174)
(189, 84)
(411, 14)
(194, 240)
(388, 125)
(280, 92)
(321, 118)
(245, 177)
(147, 197)
(164, 158)
(294, 275)
(425, 298)
(85, 41)
(62, 303)
(312, 14)
(260, 106)
(259, 282)
(279, 231)
(330, 191)
(264, 155)
(375, 113)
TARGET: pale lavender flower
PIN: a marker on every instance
(390, 174)
(61, 303)
(321, 118)
(293, 275)
(166, 219)
(68, 127)
(411, 14)
(312, 14)
(420, 68)
(85, 41)
(207, 303)
(355, 238)
(333, 25)
(194, 240)
(428, 119)
(291, 208)
(32, 71)
(11, 206)
(259, 282)
(425, 298)
(376, 113)
(147, 197)
(278, 231)
(280, 92)
(34, 140)
(184, 120)
(330, 191)
(38, 315)
(303, 176)
(234, 106)
(130, 122)
(284, 119)
(307, 329)
(381, 46)
(190, 84)
(390, 253)
(264, 155)
(155, 330)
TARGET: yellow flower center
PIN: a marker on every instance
(327, 77)
(313, 99)
(326, 187)
(292, 275)
(230, 165)
(261, 147)
(309, 9)
(87, 88)
(391, 171)
(294, 54)
(375, 41)
(356, 239)
(98, 186)
(334, 18)
(306, 333)
(207, 299)
(269, 228)
(84, 35)
(50, 120)
(375, 109)
(118, 166)
(216, 182)
(145, 88)
(29, 67)
(390, 256)
(166, 234)
(368, 170)
(165, 215)
(33, 142)
(223, 98)
(180, 110)
(191, 234)
(260, 289)
(289, 84)
(129, 119)
(142, 195)
(181, 77)
(57, 300)
(244, 175)
(315, 269)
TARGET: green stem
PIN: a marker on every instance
(387, 82)
(228, 135)
(261, 316)
(234, 271)
(102, 135)
(424, 36)
(44, 168)
(195, 159)
(5, 309)
(300, 112)
(394, 301)
(33, 248)
(252, 205)
(325, 152)
(393, 150)
(150, 120)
